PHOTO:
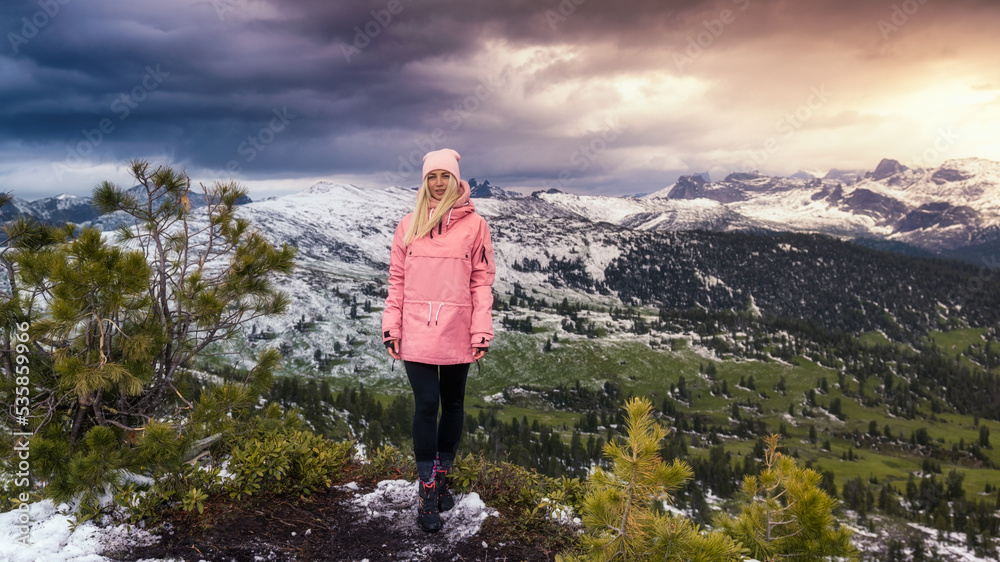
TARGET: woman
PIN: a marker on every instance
(438, 318)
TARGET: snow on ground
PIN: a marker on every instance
(50, 538)
(703, 351)
(494, 398)
(396, 501)
(560, 512)
(953, 544)
(795, 210)
(599, 257)
(710, 281)
(942, 547)
(597, 208)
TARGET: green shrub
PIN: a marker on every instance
(504, 485)
(191, 485)
(281, 461)
(389, 463)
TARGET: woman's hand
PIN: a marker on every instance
(392, 346)
(479, 353)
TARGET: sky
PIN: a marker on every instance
(585, 96)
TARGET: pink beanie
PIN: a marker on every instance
(445, 159)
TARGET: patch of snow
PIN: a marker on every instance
(360, 452)
(49, 536)
(494, 398)
(396, 500)
(559, 512)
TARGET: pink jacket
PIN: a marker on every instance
(440, 288)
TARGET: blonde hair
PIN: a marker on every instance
(423, 221)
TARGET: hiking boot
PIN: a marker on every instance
(446, 501)
(428, 515)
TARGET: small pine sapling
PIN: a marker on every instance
(785, 515)
(620, 508)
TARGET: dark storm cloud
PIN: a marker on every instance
(305, 88)
(222, 71)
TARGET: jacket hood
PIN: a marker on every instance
(463, 206)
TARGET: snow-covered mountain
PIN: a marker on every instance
(627, 251)
(65, 208)
(946, 208)
(344, 231)
(954, 206)
(953, 209)
(602, 250)
(52, 210)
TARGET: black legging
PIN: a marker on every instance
(429, 436)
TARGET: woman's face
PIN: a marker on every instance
(437, 183)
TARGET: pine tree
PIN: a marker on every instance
(116, 326)
(97, 325)
(19, 237)
(619, 508)
(784, 515)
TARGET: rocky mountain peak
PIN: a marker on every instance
(485, 190)
(688, 187)
(887, 167)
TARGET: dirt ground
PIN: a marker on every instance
(329, 525)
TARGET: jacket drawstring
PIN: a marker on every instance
(431, 313)
(442, 223)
